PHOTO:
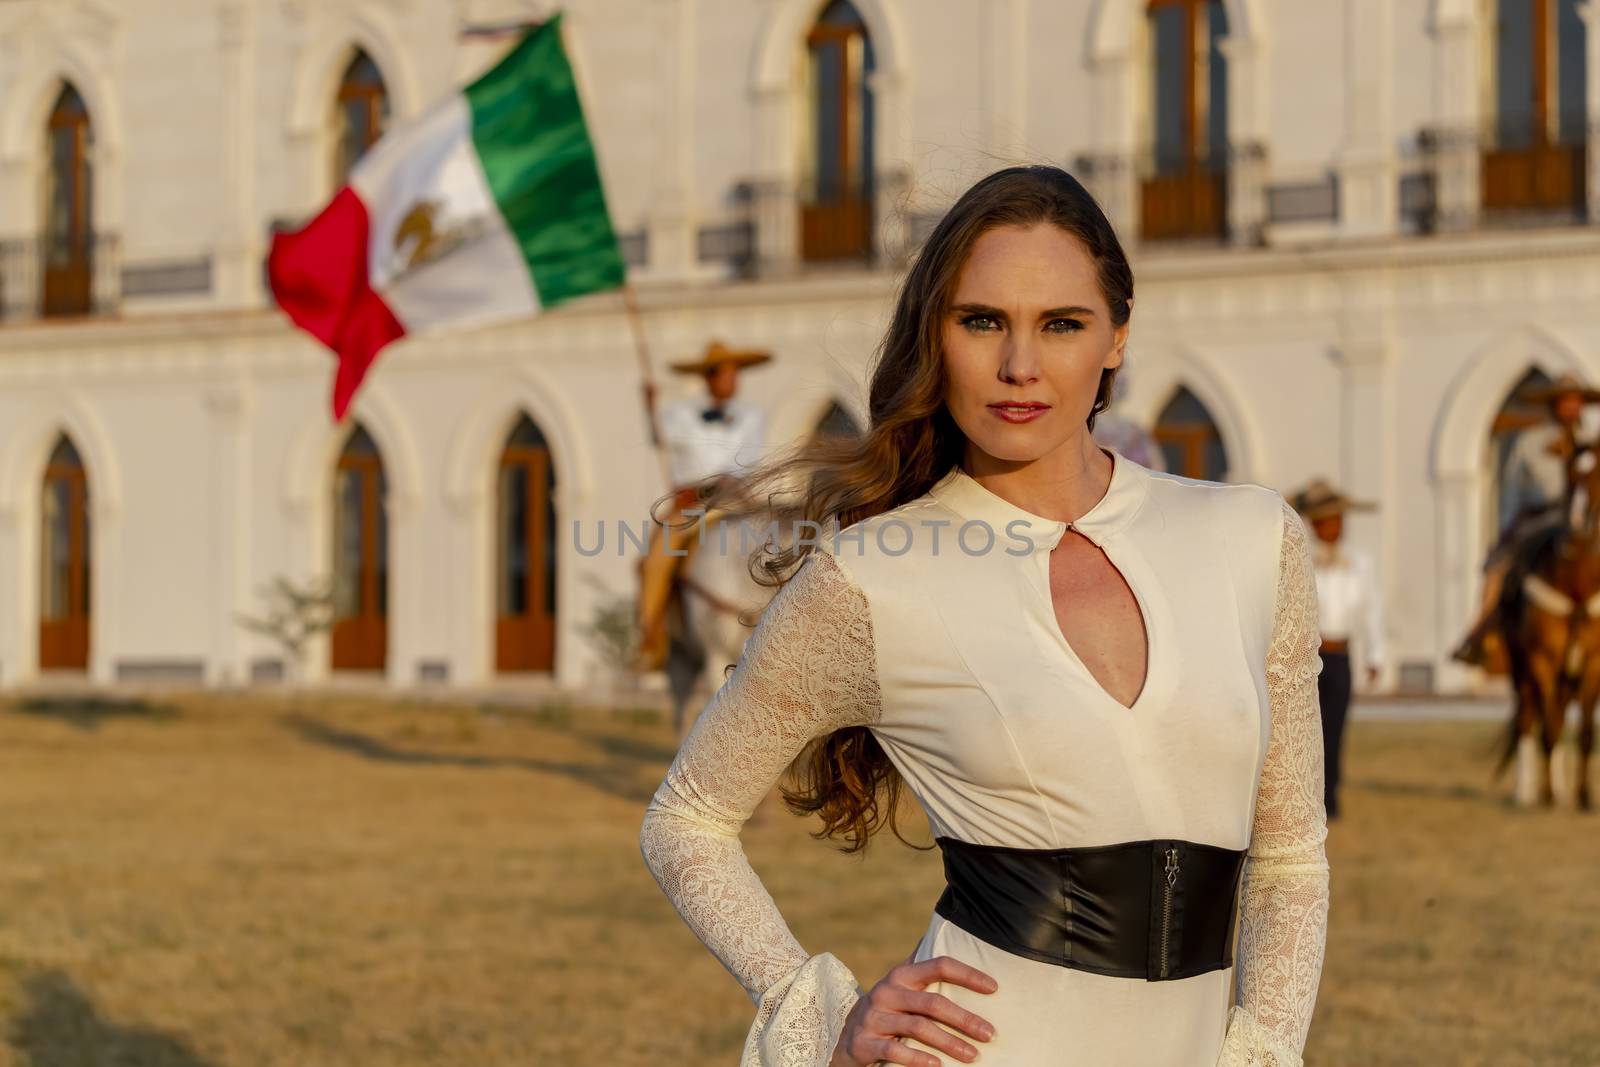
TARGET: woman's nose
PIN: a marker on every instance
(1019, 364)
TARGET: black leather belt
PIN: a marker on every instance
(1156, 910)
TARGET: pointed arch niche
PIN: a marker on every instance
(525, 552)
(360, 113)
(68, 230)
(65, 538)
(1465, 477)
(360, 635)
(1125, 86)
(830, 83)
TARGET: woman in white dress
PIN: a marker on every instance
(1099, 682)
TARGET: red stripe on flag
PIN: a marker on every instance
(319, 277)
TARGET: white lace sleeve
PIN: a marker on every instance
(807, 670)
(1283, 922)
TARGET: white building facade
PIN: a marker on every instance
(1359, 228)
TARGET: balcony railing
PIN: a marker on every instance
(1484, 174)
(1529, 174)
(1182, 199)
(781, 226)
(836, 224)
(50, 277)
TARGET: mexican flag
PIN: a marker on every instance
(486, 206)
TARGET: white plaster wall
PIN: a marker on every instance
(1308, 75)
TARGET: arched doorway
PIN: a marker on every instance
(525, 552)
(360, 634)
(64, 562)
(836, 215)
(837, 422)
(1190, 440)
(361, 114)
(69, 197)
(1184, 191)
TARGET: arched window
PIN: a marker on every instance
(1516, 414)
(1190, 440)
(360, 557)
(836, 216)
(1538, 74)
(1184, 192)
(837, 422)
(525, 553)
(69, 197)
(64, 562)
(363, 113)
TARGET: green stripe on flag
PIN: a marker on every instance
(528, 129)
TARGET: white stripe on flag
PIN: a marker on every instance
(424, 185)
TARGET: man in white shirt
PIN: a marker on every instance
(1349, 605)
(1533, 490)
(707, 439)
(720, 435)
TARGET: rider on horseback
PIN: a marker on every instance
(1534, 491)
(708, 440)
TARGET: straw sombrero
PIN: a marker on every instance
(717, 352)
(1318, 500)
(1560, 387)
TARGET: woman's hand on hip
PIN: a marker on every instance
(900, 1006)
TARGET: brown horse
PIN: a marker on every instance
(1550, 622)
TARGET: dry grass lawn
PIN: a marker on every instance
(210, 881)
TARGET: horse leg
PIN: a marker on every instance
(1524, 715)
(1561, 775)
(1588, 697)
(1585, 748)
(1552, 690)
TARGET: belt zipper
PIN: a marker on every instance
(1166, 907)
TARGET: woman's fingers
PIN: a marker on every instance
(934, 1006)
(930, 1033)
(943, 969)
(900, 1005)
(890, 1050)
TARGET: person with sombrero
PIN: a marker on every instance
(707, 439)
(1533, 493)
(1349, 603)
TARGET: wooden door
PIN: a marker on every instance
(525, 555)
(64, 569)
(836, 218)
(363, 114)
(1538, 160)
(360, 635)
(68, 235)
(1184, 193)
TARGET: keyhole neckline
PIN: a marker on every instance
(967, 497)
(1146, 623)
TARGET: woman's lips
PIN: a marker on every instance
(1025, 411)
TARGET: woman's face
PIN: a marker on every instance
(1025, 338)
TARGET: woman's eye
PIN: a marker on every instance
(1065, 325)
(979, 323)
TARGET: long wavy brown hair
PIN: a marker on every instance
(911, 440)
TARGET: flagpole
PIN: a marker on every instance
(641, 348)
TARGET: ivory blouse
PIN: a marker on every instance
(952, 656)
